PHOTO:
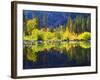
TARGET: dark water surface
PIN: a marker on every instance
(51, 55)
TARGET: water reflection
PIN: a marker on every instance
(57, 54)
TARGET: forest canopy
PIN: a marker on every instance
(78, 28)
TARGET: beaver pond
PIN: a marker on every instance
(56, 54)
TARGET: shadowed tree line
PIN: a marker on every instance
(79, 24)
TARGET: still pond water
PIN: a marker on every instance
(58, 54)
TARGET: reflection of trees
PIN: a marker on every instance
(29, 54)
(79, 54)
(78, 51)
